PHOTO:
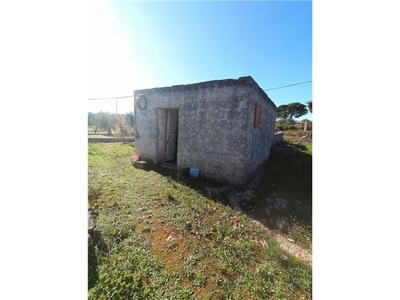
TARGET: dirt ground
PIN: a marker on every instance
(287, 244)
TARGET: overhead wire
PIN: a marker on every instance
(280, 87)
(109, 98)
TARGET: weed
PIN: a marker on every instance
(187, 272)
(200, 279)
(146, 230)
(281, 223)
(210, 253)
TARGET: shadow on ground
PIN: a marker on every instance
(281, 200)
(199, 184)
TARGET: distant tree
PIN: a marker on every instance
(296, 110)
(282, 111)
(105, 121)
(309, 106)
(91, 119)
(119, 126)
(130, 119)
(291, 110)
(285, 124)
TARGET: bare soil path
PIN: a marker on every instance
(287, 244)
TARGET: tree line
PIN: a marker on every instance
(114, 124)
(286, 113)
(123, 124)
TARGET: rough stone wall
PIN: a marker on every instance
(215, 140)
(214, 119)
(146, 130)
(259, 140)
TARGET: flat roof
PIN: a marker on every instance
(241, 81)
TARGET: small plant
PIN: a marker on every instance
(188, 272)
(281, 223)
(146, 230)
(162, 238)
(200, 279)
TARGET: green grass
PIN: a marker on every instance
(114, 132)
(291, 178)
(91, 130)
(161, 238)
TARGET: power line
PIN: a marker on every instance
(110, 98)
(281, 87)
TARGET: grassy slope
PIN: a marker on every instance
(290, 178)
(162, 239)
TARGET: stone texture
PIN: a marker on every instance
(140, 164)
(216, 131)
(254, 183)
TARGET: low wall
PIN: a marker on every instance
(109, 139)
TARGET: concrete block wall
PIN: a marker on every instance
(215, 131)
(259, 140)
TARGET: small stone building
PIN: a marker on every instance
(224, 128)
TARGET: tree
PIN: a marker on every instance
(91, 118)
(282, 111)
(106, 121)
(130, 119)
(291, 110)
(92, 121)
(309, 106)
(285, 124)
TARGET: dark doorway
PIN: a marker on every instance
(167, 139)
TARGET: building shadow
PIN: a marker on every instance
(199, 184)
(281, 198)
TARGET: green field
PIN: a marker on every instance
(159, 236)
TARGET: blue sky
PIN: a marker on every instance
(135, 45)
(43, 77)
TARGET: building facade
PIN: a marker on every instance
(224, 128)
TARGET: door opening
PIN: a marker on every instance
(167, 140)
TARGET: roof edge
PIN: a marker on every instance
(241, 81)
